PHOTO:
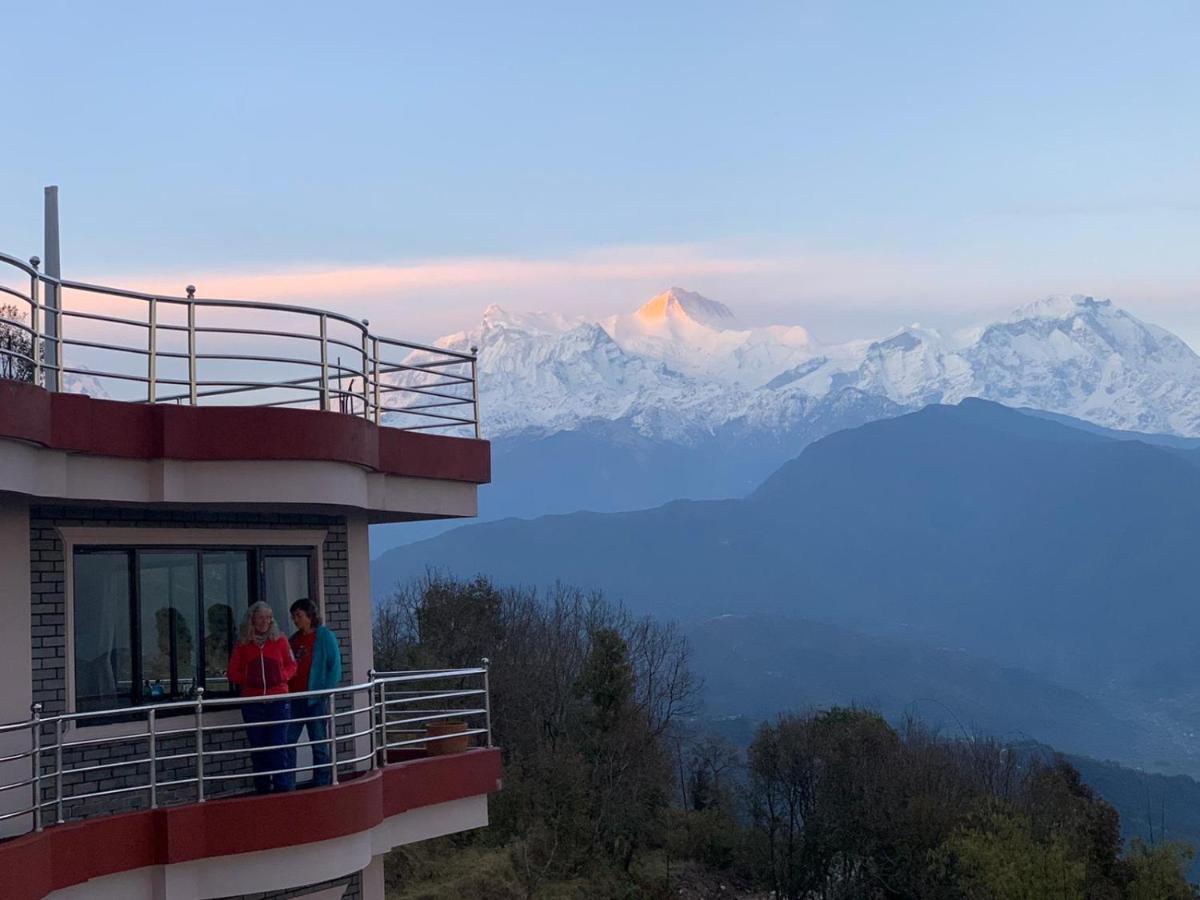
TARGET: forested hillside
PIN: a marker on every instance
(613, 788)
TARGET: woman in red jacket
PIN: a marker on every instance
(261, 664)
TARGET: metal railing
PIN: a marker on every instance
(185, 752)
(129, 345)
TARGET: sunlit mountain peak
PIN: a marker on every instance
(677, 304)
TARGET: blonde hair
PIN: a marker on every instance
(246, 631)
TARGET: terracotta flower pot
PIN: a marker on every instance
(446, 746)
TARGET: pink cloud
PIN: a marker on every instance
(837, 293)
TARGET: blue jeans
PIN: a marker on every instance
(267, 727)
(318, 732)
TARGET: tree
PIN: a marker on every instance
(438, 623)
(706, 775)
(844, 806)
(1061, 807)
(783, 764)
(584, 697)
(16, 345)
(998, 857)
(1157, 873)
(832, 805)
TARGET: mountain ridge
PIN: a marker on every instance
(1044, 546)
(620, 413)
(681, 368)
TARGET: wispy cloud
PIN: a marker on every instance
(448, 294)
(837, 293)
(334, 280)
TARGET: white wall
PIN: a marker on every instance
(40, 472)
(358, 553)
(16, 687)
(287, 867)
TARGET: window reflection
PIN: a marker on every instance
(226, 589)
(103, 657)
(167, 599)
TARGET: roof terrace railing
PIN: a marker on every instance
(154, 348)
(170, 754)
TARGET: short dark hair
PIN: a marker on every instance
(310, 609)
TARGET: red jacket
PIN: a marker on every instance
(262, 670)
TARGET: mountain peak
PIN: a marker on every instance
(533, 322)
(676, 304)
(1059, 306)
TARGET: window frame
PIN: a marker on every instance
(291, 542)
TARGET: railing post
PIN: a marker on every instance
(378, 408)
(374, 724)
(58, 773)
(34, 320)
(487, 700)
(191, 333)
(150, 719)
(199, 745)
(152, 357)
(383, 737)
(333, 762)
(36, 730)
(475, 388)
(324, 362)
(366, 370)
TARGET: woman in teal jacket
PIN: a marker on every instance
(319, 667)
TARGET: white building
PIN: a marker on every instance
(228, 452)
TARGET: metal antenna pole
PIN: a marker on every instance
(53, 300)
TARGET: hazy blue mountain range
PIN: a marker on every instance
(758, 665)
(974, 527)
(610, 467)
(681, 400)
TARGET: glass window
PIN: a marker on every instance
(285, 580)
(103, 656)
(226, 585)
(167, 585)
(154, 623)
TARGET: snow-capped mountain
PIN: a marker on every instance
(682, 368)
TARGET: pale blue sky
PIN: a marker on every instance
(848, 166)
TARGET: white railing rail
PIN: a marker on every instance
(155, 348)
(180, 754)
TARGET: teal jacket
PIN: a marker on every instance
(326, 669)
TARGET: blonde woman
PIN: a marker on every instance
(261, 665)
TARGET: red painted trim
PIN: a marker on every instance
(412, 785)
(65, 855)
(81, 424)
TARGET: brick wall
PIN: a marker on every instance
(49, 642)
(352, 883)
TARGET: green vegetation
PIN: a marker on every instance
(609, 792)
(16, 345)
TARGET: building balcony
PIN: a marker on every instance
(165, 463)
(68, 336)
(238, 402)
(114, 800)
